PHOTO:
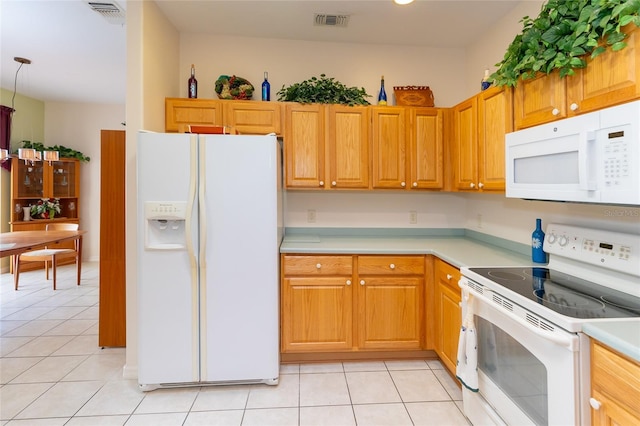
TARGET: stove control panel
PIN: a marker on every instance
(612, 250)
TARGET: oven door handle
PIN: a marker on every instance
(560, 340)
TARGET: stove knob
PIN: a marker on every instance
(551, 238)
(563, 241)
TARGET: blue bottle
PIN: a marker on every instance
(382, 96)
(537, 241)
(266, 88)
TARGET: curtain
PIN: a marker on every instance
(5, 132)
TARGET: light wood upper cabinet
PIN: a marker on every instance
(448, 313)
(304, 146)
(465, 147)
(425, 152)
(326, 146)
(539, 100)
(252, 117)
(246, 117)
(348, 147)
(615, 388)
(407, 148)
(480, 125)
(389, 142)
(180, 113)
(609, 79)
(495, 120)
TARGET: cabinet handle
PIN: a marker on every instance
(392, 266)
(403, 184)
(449, 276)
(334, 183)
(321, 183)
(595, 404)
(472, 185)
(555, 111)
(348, 282)
(574, 106)
(415, 184)
(481, 185)
(361, 282)
(318, 265)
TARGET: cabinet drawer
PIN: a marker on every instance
(446, 273)
(387, 265)
(317, 265)
(616, 376)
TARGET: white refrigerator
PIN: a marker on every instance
(209, 232)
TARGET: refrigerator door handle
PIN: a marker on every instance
(193, 262)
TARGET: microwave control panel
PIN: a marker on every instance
(612, 250)
(616, 156)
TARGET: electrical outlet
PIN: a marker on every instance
(413, 217)
(311, 216)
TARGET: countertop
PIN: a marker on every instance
(623, 336)
(458, 247)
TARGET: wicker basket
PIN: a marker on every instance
(420, 96)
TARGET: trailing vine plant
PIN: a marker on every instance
(63, 150)
(562, 36)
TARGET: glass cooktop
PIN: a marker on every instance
(563, 293)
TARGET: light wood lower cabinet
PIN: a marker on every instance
(448, 313)
(615, 388)
(351, 303)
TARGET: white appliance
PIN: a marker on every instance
(209, 232)
(532, 357)
(592, 158)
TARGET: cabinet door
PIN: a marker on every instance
(348, 147)
(495, 120)
(390, 312)
(539, 100)
(425, 156)
(609, 79)
(388, 147)
(611, 413)
(65, 179)
(27, 179)
(304, 146)
(448, 313)
(316, 314)
(251, 117)
(465, 157)
(180, 112)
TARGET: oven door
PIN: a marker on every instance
(528, 370)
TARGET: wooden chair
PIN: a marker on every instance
(47, 255)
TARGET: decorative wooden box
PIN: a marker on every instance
(419, 96)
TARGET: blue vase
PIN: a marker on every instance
(537, 241)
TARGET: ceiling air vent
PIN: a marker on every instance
(110, 11)
(325, 20)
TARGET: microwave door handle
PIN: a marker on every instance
(586, 156)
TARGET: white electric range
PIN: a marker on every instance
(532, 357)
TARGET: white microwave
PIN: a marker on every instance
(590, 158)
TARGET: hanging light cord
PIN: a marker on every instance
(15, 87)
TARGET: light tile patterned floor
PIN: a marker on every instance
(53, 373)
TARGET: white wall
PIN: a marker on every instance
(489, 48)
(78, 126)
(291, 61)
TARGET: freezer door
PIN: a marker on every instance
(239, 258)
(167, 247)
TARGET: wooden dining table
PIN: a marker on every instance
(17, 242)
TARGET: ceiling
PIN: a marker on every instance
(78, 56)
